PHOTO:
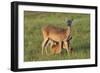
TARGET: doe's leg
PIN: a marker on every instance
(60, 46)
(44, 45)
(66, 46)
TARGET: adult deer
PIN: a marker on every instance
(56, 34)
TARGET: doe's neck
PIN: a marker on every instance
(68, 29)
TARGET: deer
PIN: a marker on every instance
(56, 34)
(55, 46)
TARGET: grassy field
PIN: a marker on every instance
(34, 21)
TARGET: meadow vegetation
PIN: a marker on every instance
(34, 21)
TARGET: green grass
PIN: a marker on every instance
(34, 21)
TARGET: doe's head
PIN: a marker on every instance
(69, 22)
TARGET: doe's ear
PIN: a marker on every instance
(67, 20)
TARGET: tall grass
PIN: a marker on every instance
(34, 21)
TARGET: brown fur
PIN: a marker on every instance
(56, 34)
(55, 47)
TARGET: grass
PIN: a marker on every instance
(34, 21)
